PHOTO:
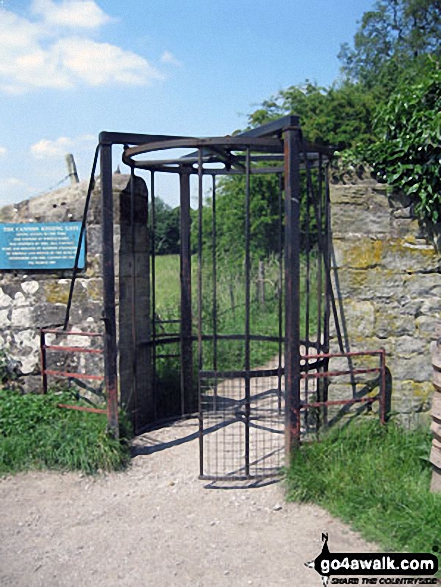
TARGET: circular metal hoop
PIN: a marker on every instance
(221, 150)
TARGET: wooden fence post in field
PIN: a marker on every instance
(435, 454)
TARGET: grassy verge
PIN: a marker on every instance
(375, 478)
(36, 434)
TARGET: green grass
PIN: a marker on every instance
(230, 292)
(36, 434)
(375, 478)
(167, 285)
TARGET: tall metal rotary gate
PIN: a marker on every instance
(248, 347)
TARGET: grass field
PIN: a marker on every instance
(230, 306)
(377, 479)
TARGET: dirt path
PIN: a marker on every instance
(158, 525)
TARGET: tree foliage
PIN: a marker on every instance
(167, 228)
(390, 38)
(230, 217)
(407, 151)
(339, 116)
(385, 112)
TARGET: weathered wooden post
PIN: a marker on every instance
(71, 169)
(435, 454)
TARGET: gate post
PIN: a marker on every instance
(187, 403)
(110, 347)
(291, 138)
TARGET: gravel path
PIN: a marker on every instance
(158, 525)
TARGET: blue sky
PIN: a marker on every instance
(72, 68)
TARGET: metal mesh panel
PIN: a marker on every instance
(243, 433)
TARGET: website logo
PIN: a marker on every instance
(363, 565)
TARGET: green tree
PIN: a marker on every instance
(390, 38)
(339, 116)
(230, 218)
(167, 233)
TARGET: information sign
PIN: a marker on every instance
(51, 245)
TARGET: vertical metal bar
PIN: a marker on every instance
(43, 360)
(110, 346)
(280, 294)
(153, 291)
(327, 263)
(308, 255)
(214, 266)
(321, 384)
(81, 238)
(187, 404)
(327, 267)
(292, 286)
(133, 299)
(199, 310)
(307, 276)
(247, 311)
(320, 251)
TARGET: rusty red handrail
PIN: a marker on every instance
(381, 369)
(68, 349)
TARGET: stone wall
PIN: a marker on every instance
(386, 274)
(30, 301)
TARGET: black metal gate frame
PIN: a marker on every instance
(281, 137)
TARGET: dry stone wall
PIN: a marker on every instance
(31, 300)
(386, 274)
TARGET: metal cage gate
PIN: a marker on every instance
(262, 295)
(249, 368)
(261, 291)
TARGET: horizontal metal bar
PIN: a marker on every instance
(158, 165)
(208, 337)
(82, 409)
(342, 402)
(74, 375)
(128, 138)
(241, 373)
(233, 477)
(263, 144)
(73, 349)
(160, 341)
(274, 127)
(343, 355)
(309, 375)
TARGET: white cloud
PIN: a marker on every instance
(3, 151)
(35, 54)
(101, 63)
(46, 149)
(71, 13)
(168, 57)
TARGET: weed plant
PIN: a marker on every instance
(377, 479)
(36, 434)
